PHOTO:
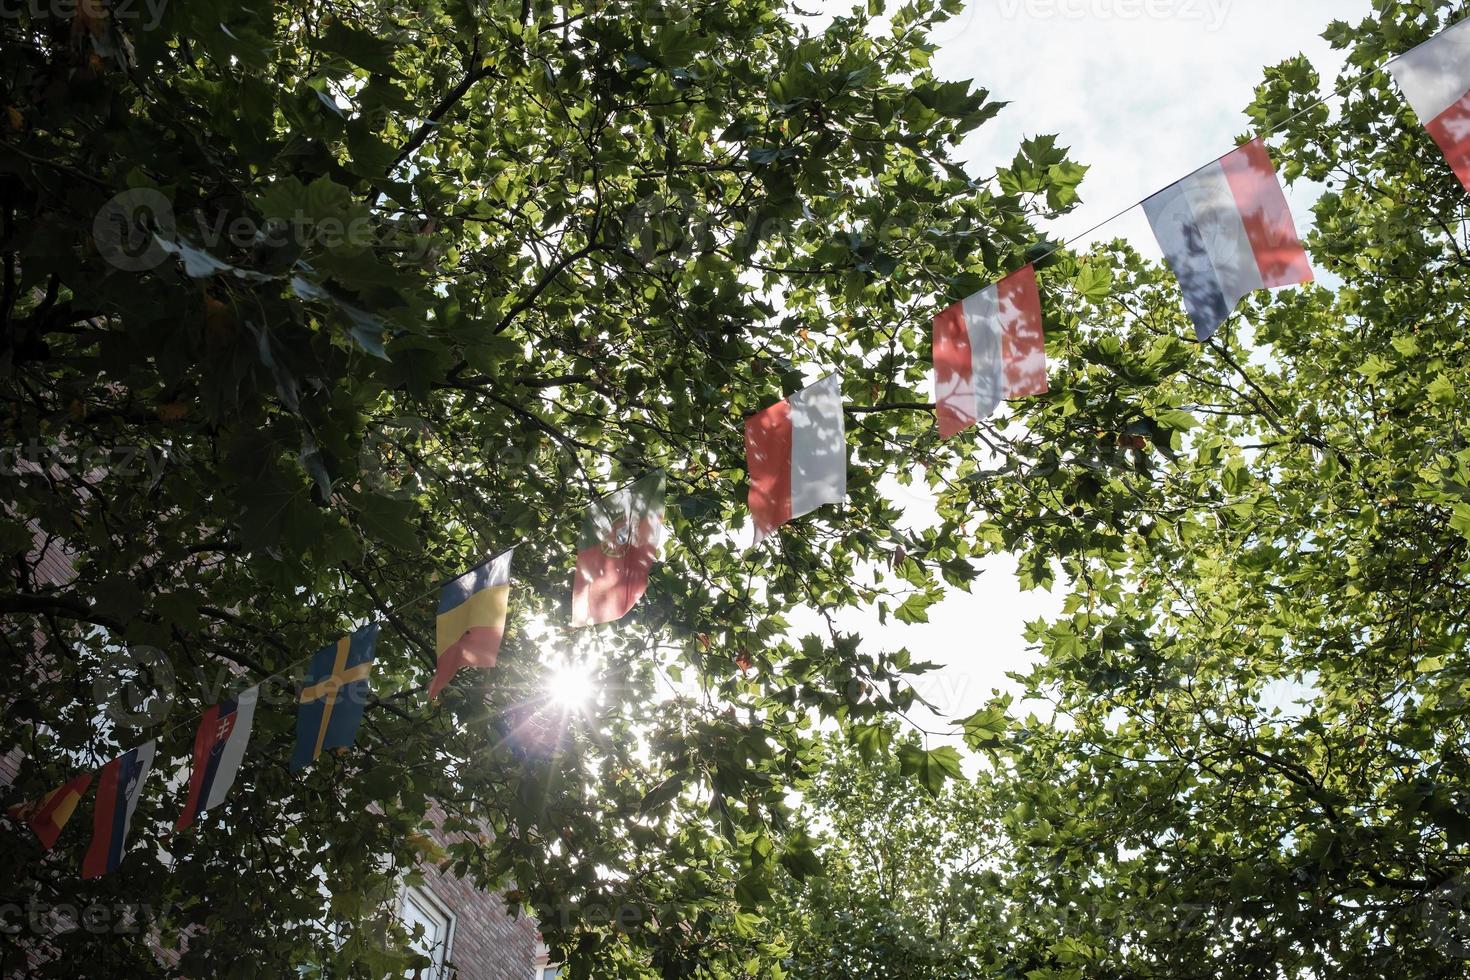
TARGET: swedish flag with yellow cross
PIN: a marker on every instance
(333, 695)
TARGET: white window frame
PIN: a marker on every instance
(429, 902)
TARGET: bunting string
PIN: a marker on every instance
(1225, 231)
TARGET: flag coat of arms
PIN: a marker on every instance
(616, 550)
(333, 695)
(47, 816)
(471, 620)
(219, 745)
(796, 454)
(119, 786)
(1226, 231)
(988, 347)
(1435, 78)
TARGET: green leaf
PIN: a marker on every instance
(931, 767)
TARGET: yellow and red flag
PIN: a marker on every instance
(48, 815)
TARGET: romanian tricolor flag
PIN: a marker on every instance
(333, 696)
(48, 815)
(615, 554)
(471, 620)
(118, 790)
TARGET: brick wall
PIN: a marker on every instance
(488, 943)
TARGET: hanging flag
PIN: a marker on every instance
(988, 347)
(118, 789)
(48, 815)
(333, 695)
(1226, 231)
(219, 745)
(796, 453)
(620, 536)
(1435, 78)
(471, 620)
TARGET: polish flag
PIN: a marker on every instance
(1435, 78)
(1226, 231)
(988, 348)
(796, 452)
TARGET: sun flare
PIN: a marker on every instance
(570, 686)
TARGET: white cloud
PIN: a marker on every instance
(1143, 97)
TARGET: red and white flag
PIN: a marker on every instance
(796, 452)
(988, 347)
(219, 747)
(615, 553)
(1435, 78)
(1226, 231)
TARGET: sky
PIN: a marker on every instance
(1144, 92)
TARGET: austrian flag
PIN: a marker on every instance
(1226, 231)
(796, 452)
(118, 789)
(219, 745)
(616, 551)
(988, 347)
(1435, 78)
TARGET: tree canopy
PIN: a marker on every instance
(375, 292)
(309, 307)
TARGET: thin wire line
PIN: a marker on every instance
(289, 668)
(1340, 90)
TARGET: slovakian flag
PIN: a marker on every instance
(48, 815)
(471, 620)
(615, 553)
(118, 789)
(796, 453)
(333, 696)
(1435, 78)
(219, 745)
(1226, 231)
(987, 348)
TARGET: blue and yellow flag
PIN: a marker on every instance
(471, 620)
(333, 695)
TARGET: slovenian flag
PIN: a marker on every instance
(471, 620)
(987, 348)
(118, 789)
(48, 815)
(1226, 231)
(796, 453)
(219, 745)
(619, 541)
(1435, 78)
